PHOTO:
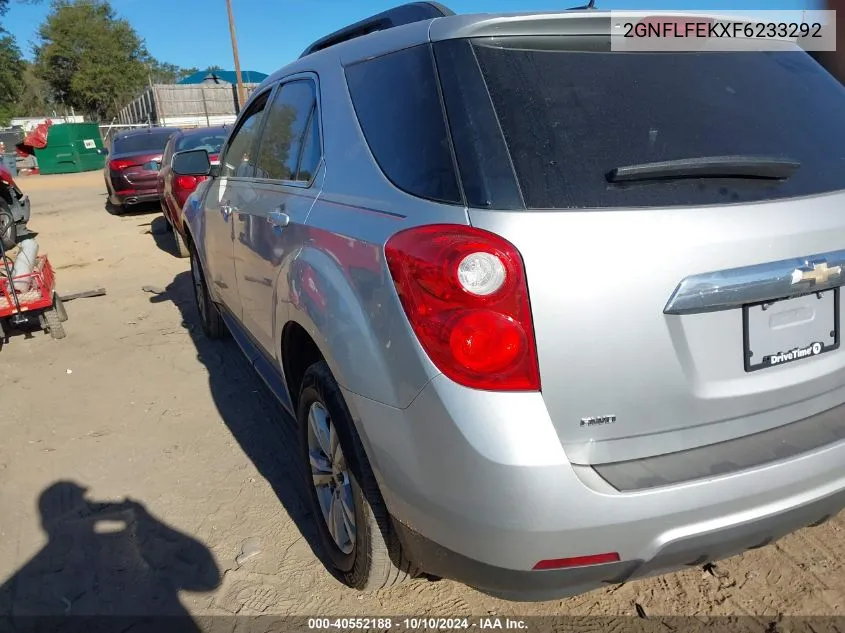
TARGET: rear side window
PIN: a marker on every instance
(397, 103)
(137, 143)
(570, 116)
(288, 121)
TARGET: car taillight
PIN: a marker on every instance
(465, 294)
(185, 182)
(119, 164)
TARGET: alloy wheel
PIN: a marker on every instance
(330, 475)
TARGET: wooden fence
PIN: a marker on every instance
(184, 105)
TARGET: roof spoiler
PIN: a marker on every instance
(398, 16)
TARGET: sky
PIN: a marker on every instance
(271, 33)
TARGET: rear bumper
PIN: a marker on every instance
(484, 484)
(554, 584)
(137, 197)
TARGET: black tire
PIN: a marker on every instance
(59, 306)
(181, 248)
(376, 559)
(115, 209)
(210, 319)
(8, 228)
(53, 324)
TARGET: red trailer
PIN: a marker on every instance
(30, 299)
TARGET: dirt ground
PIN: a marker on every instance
(183, 440)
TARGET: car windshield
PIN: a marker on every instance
(571, 115)
(211, 143)
(149, 142)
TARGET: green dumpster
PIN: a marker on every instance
(71, 147)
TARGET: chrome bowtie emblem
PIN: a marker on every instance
(820, 273)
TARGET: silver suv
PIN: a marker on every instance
(548, 315)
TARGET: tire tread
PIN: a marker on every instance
(386, 563)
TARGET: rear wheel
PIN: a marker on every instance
(59, 306)
(52, 323)
(210, 319)
(8, 229)
(352, 519)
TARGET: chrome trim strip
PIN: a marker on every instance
(726, 289)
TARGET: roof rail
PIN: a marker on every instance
(398, 16)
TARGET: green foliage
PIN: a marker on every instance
(93, 60)
(165, 73)
(11, 76)
(34, 98)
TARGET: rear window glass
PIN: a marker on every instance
(569, 117)
(210, 143)
(148, 142)
(398, 105)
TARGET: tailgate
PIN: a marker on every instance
(625, 374)
(621, 378)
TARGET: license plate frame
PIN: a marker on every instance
(757, 362)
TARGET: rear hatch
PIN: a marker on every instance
(641, 290)
(137, 158)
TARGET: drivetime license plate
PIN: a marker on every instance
(789, 330)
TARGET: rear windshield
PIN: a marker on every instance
(569, 117)
(148, 142)
(210, 143)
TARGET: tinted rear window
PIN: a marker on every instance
(147, 142)
(568, 117)
(210, 143)
(397, 102)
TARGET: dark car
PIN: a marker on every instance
(173, 190)
(133, 166)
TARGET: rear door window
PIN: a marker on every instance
(288, 120)
(569, 116)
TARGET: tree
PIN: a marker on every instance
(165, 73)
(11, 76)
(11, 70)
(90, 58)
(34, 98)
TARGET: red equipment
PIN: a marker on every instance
(39, 302)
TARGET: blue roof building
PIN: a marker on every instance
(223, 77)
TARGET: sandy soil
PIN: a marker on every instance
(135, 405)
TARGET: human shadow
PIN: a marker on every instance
(106, 566)
(256, 420)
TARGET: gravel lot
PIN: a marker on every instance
(195, 457)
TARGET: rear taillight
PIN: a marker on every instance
(465, 294)
(120, 164)
(185, 182)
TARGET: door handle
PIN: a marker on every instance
(278, 219)
(227, 210)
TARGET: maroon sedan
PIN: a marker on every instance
(133, 166)
(173, 190)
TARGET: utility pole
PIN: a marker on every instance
(241, 92)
